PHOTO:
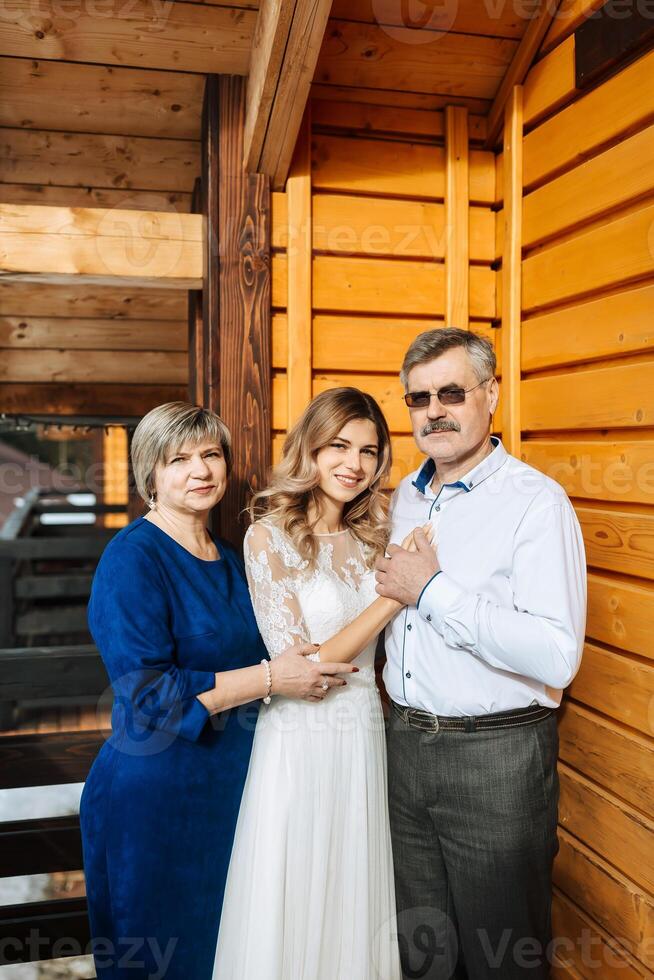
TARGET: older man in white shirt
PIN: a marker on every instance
(492, 632)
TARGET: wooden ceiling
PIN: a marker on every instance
(418, 55)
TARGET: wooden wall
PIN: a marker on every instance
(363, 260)
(94, 135)
(587, 419)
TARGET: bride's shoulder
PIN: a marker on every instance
(264, 537)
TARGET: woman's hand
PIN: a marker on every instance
(409, 543)
(293, 676)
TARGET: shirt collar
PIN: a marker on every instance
(475, 476)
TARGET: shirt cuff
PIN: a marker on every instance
(438, 596)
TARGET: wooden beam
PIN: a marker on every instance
(457, 216)
(100, 247)
(300, 293)
(29, 847)
(192, 37)
(236, 296)
(47, 759)
(520, 65)
(44, 930)
(110, 400)
(32, 673)
(512, 273)
(287, 42)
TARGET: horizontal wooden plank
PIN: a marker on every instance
(90, 159)
(599, 185)
(617, 758)
(51, 672)
(84, 546)
(609, 326)
(40, 846)
(398, 169)
(45, 333)
(601, 257)
(609, 898)
(369, 56)
(616, 684)
(50, 623)
(53, 587)
(48, 759)
(382, 227)
(393, 287)
(98, 367)
(82, 98)
(620, 613)
(386, 97)
(604, 398)
(108, 302)
(94, 197)
(467, 17)
(359, 118)
(370, 343)
(57, 925)
(616, 470)
(583, 127)
(619, 540)
(608, 826)
(550, 82)
(192, 37)
(97, 245)
(588, 949)
(111, 400)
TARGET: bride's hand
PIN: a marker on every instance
(409, 543)
(293, 676)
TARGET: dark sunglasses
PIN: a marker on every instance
(447, 396)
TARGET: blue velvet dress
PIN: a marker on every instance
(159, 807)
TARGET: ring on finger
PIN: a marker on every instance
(325, 685)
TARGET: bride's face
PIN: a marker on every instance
(348, 463)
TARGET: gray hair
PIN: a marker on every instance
(165, 429)
(433, 343)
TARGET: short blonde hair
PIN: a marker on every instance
(165, 429)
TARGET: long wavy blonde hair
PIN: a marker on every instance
(285, 502)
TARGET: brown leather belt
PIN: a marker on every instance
(426, 722)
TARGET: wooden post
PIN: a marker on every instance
(299, 308)
(457, 211)
(236, 297)
(512, 272)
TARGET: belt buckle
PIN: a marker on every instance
(429, 724)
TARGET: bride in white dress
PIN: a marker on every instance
(310, 894)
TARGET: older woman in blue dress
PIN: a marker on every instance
(171, 615)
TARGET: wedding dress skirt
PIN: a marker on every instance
(310, 892)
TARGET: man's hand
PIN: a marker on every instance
(404, 574)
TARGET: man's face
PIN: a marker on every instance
(450, 432)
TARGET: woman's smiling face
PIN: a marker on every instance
(193, 478)
(349, 462)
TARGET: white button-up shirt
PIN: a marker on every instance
(502, 625)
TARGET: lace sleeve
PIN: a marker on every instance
(273, 570)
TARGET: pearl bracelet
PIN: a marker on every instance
(266, 664)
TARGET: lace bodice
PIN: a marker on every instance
(297, 602)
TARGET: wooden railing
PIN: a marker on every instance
(45, 580)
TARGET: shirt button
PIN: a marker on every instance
(428, 617)
(408, 674)
(409, 626)
(438, 507)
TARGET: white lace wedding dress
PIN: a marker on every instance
(309, 893)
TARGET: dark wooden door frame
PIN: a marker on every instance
(230, 324)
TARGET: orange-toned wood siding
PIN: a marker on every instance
(587, 419)
(383, 256)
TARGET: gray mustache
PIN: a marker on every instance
(439, 427)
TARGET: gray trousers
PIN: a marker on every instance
(473, 823)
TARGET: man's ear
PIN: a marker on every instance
(493, 395)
